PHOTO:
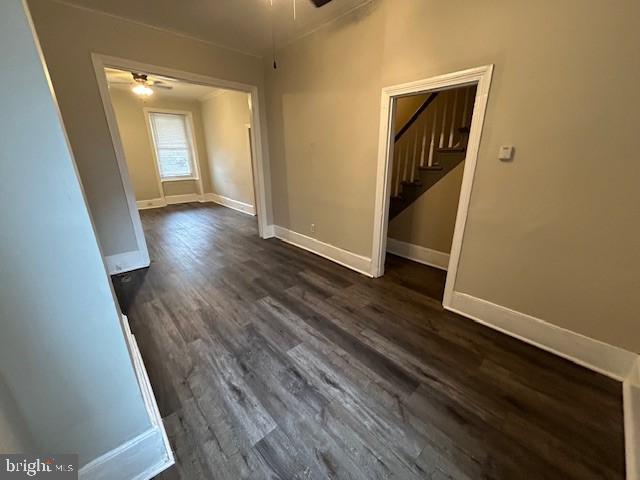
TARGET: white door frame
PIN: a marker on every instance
(480, 76)
(260, 159)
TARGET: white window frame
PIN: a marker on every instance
(195, 161)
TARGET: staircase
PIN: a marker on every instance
(429, 145)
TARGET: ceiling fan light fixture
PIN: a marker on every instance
(142, 90)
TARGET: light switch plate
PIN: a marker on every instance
(506, 153)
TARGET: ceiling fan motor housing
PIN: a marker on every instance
(319, 3)
(139, 77)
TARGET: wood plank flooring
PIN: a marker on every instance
(269, 362)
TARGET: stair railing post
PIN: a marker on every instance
(424, 143)
(444, 120)
(414, 156)
(453, 118)
(432, 145)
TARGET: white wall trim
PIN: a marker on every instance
(480, 76)
(601, 357)
(631, 396)
(146, 455)
(417, 253)
(207, 197)
(270, 231)
(139, 458)
(103, 87)
(231, 203)
(186, 198)
(158, 28)
(126, 261)
(151, 203)
(343, 257)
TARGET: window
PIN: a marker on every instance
(174, 151)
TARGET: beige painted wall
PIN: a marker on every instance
(69, 36)
(226, 117)
(555, 233)
(429, 221)
(138, 147)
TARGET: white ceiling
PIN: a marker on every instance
(123, 80)
(240, 24)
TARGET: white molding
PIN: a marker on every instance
(601, 357)
(260, 151)
(631, 397)
(158, 28)
(231, 203)
(112, 123)
(151, 203)
(343, 257)
(270, 231)
(185, 198)
(126, 261)
(146, 455)
(207, 197)
(480, 76)
(417, 253)
(142, 458)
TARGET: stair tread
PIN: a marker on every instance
(431, 168)
(412, 184)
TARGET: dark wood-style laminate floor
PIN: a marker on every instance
(269, 362)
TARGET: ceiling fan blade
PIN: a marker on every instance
(165, 87)
(165, 79)
(319, 3)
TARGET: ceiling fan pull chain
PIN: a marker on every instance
(273, 38)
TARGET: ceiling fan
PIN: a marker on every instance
(319, 3)
(142, 85)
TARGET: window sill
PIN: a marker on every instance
(179, 179)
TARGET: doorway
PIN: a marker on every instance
(183, 171)
(417, 151)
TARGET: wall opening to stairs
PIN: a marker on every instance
(431, 133)
(429, 137)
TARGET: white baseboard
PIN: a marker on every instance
(144, 456)
(426, 256)
(231, 203)
(631, 395)
(186, 198)
(125, 262)
(169, 200)
(151, 203)
(194, 197)
(269, 231)
(607, 359)
(343, 257)
(141, 458)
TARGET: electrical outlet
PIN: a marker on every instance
(313, 228)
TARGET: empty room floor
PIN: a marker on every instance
(270, 362)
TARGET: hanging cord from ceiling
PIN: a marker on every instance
(273, 33)
(273, 36)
